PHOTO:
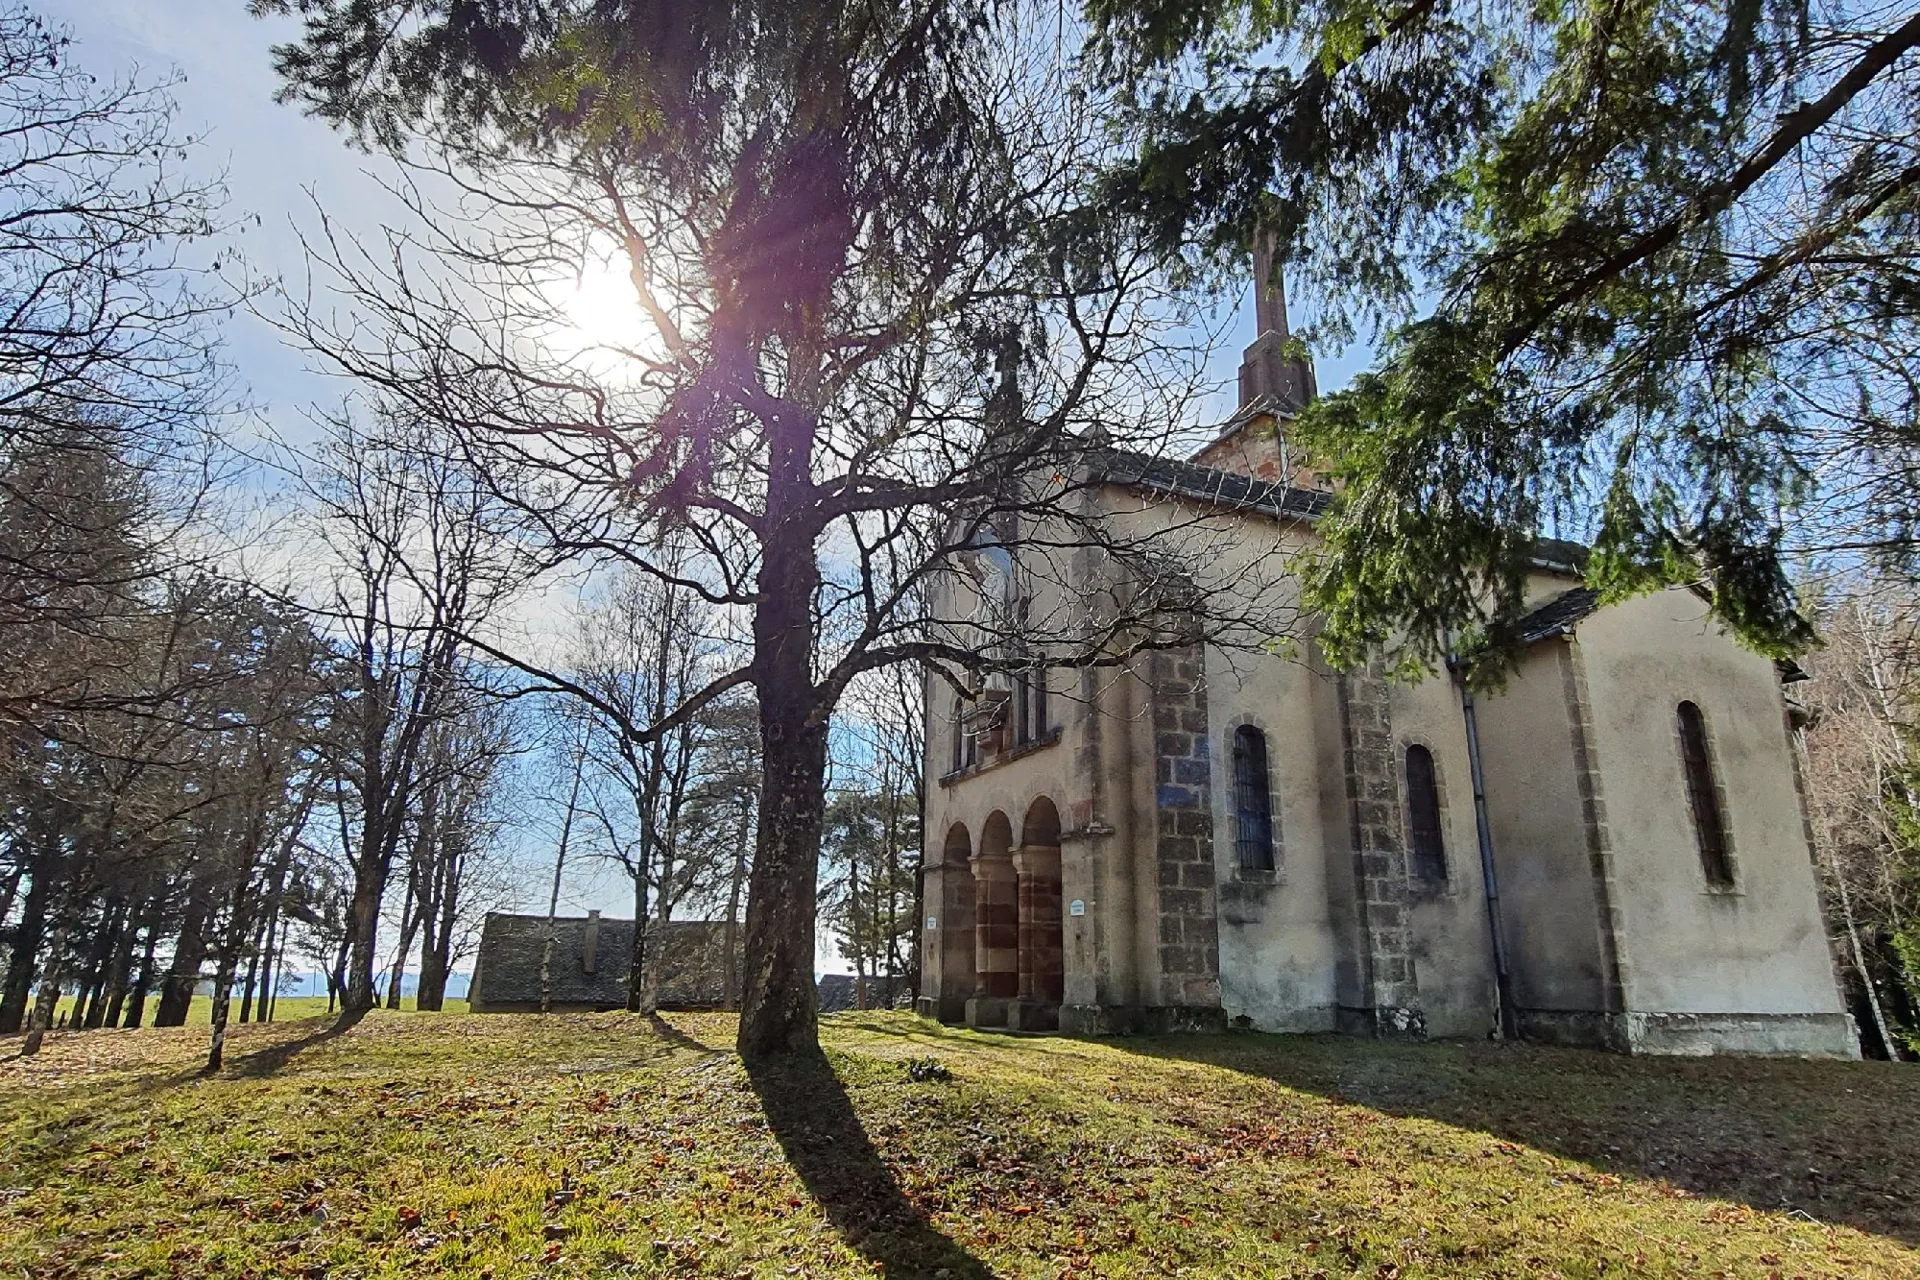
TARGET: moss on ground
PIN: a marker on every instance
(573, 1145)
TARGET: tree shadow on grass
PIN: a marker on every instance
(265, 1062)
(813, 1119)
(1834, 1141)
(678, 1038)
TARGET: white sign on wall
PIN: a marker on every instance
(933, 922)
(1076, 908)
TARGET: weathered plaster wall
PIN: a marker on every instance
(1277, 950)
(1760, 947)
(1541, 855)
(1450, 939)
(1614, 936)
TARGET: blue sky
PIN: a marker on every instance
(284, 169)
(279, 164)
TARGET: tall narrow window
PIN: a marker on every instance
(1703, 798)
(959, 735)
(1022, 708)
(1030, 703)
(1252, 802)
(966, 749)
(1423, 817)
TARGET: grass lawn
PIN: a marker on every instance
(288, 1009)
(607, 1145)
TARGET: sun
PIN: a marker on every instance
(597, 320)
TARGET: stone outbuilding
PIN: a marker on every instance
(592, 956)
(1613, 850)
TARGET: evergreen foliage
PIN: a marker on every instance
(1648, 271)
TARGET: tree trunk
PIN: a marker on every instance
(91, 1008)
(436, 949)
(778, 1011)
(663, 911)
(143, 982)
(270, 993)
(75, 892)
(222, 997)
(363, 925)
(779, 1006)
(253, 975)
(269, 939)
(9, 889)
(49, 990)
(636, 971)
(239, 925)
(27, 936)
(736, 885)
(120, 972)
(189, 952)
(409, 921)
(337, 976)
(270, 928)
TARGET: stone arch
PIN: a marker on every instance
(996, 836)
(1042, 824)
(996, 924)
(956, 928)
(1042, 929)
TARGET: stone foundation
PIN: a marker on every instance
(1150, 1020)
(1824, 1035)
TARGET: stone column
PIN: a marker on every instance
(996, 946)
(1042, 950)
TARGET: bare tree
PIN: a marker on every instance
(875, 831)
(1863, 791)
(112, 281)
(457, 827)
(865, 330)
(415, 556)
(722, 815)
(643, 649)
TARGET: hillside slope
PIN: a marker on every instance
(418, 1144)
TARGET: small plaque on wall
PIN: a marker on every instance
(933, 922)
(1076, 908)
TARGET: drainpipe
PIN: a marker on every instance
(1502, 981)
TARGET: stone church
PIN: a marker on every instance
(1611, 851)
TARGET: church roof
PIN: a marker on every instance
(1559, 615)
(1567, 610)
(1237, 491)
(1208, 484)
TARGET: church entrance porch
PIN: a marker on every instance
(1018, 949)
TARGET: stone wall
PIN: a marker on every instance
(1379, 860)
(1188, 946)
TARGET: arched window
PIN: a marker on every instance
(1252, 802)
(1703, 798)
(1423, 817)
(966, 748)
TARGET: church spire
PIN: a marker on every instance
(1267, 371)
(1269, 290)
